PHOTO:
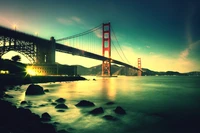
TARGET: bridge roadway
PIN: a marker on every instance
(58, 47)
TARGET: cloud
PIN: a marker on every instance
(98, 33)
(69, 21)
(76, 19)
(184, 54)
(158, 62)
(147, 46)
(64, 21)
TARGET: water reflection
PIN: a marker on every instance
(109, 89)
(153, 104)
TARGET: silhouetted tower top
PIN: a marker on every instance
(139, 67)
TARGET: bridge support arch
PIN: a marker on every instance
(106, 49)
(26, 48)
(36, 50)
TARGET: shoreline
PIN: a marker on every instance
(21, 80)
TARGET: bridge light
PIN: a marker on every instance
(30, 71)
(15, 27)
(36, 33)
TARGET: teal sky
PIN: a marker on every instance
(164, 33)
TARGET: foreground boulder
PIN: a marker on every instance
(97, 111)
(85, 103)
(35, 90)
(120, 110)
(20, 120)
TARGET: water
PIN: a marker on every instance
(162, 104)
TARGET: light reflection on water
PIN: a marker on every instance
(153, 104)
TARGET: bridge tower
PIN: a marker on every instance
(139, 67)
(106, 49)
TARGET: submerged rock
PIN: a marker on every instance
(42, 105)
(35, 90)
(60, 100)
(53, 103)
(110, 118)
(60, 110)
(46, 90)
(45, 117)
(120, 110)
(61, 106)
(85, 103)
(23, 102)
(110, 103)
(97, 111)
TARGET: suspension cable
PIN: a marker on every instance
(119, 45)
(81, 34)
(117, 51)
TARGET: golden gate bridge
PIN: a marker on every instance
(86, 44)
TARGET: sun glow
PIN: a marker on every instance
(30, 71)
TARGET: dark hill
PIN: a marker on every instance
(12, 66)
(121, 70)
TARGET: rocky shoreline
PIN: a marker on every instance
(22, 120)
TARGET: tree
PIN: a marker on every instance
(16, 58)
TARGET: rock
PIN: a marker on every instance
(61, 106)
(60, 100)
(62, 131)
(42, 105)
(49, 100)
(34, 90)
(110, 103)
(53, 103)
(97, 111)
(60, 110)
(85, 103)
(120, 110)
(47, 128)
(46, 90)
(56, 123)
(20, 120)
(45, 117)
(23, 102)
(110, 118)
(25, 114)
